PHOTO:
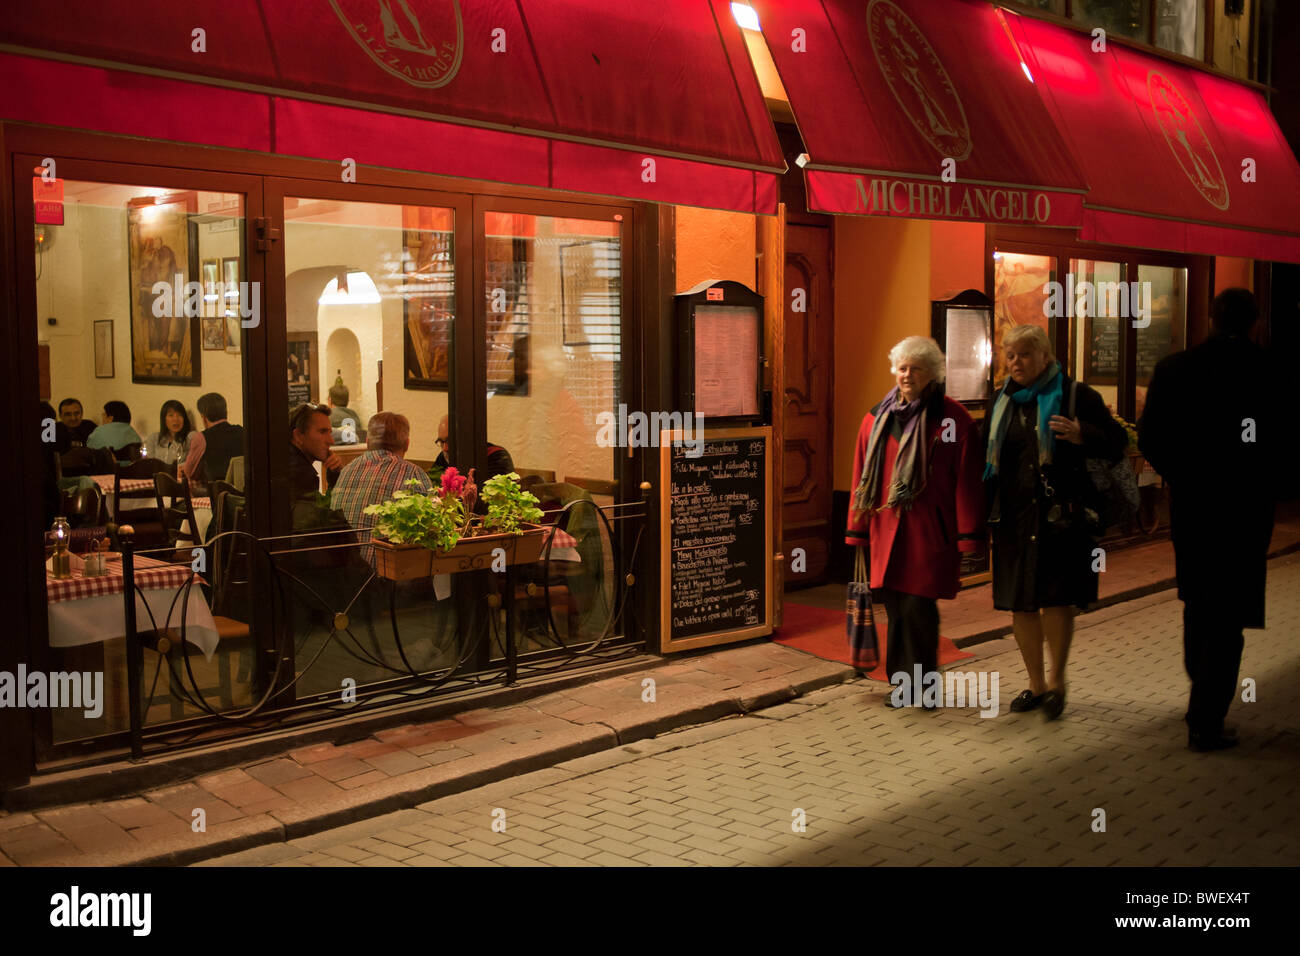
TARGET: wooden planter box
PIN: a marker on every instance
(406, 562)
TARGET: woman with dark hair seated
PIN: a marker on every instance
(171, 442)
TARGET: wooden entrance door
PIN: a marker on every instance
(809, 364)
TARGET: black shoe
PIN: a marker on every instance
(1026, 700)
(1053, 704)
(1203, 743)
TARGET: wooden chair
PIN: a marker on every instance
(146, 521)
(78, 461)
(84, 507)
(177, 509)
(129, 452)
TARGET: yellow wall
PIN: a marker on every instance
(712, 244)
(882, 294)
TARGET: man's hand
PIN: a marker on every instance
(333, 462)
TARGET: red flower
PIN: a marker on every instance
(452, 482)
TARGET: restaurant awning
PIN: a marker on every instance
(1176, 157)
(654, 101)
(884, 92)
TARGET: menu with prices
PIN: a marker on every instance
(717, 576)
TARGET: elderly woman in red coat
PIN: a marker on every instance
(918, 501)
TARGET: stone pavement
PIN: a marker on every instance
(876, 786)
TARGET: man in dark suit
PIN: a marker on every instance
(1210, 427)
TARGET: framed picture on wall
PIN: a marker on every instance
(301, 370)
(162, 247)
(428, 302)
(230, 302)
(211, 298)
(214, 334)
(103, 348)
(589, 292)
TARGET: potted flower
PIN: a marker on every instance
(417, 535)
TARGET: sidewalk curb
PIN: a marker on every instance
(419, 787)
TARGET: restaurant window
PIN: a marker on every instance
(552, 294)
(1095, 328)
(1167, 330)
(370, 314)
(142, 297)
(1021, 297)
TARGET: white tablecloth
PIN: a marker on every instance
(95, 619)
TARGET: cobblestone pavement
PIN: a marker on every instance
(876, 786)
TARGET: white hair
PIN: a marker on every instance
(922, 350)
(1031, 335)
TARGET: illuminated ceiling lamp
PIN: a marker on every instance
(351, 288)
(1002, 18)
(745, 15)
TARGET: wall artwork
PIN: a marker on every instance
(162, 242)
(214, 334)
(103, 348)
(230, 307)
(428, 296)
(301, 371)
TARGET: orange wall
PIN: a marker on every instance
(714, 245)
(956, 258)
(1230, 273)
(882, 294)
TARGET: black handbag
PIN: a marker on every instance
(863, 651)
(1115, 482)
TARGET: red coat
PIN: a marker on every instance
(918, 552)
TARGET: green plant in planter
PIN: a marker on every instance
(1131, 429)
(434, 521)
(508, 504)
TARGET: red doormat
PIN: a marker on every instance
(820, 631)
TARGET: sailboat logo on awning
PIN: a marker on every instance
(1187, 141)
(419, 41)
(918, 80)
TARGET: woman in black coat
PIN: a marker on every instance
(1044, 507)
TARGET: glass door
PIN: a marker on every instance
(145, 311)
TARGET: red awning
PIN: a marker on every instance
(885, 91)
(1177, 158)
(647, 101)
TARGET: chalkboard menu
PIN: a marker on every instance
(716, 537)
(1101, 360)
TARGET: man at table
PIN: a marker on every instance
(498, 459)
(372, 478)
(116, 432)
(212, 448)
(73, 430)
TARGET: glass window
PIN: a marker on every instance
(148, 288)
(1021, 297)
(1128, 18)
(1180, 26)
(370, 308)
(1165, 288)
(1095, 331)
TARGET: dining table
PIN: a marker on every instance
(106, 483)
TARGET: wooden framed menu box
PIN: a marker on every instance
(716, 536)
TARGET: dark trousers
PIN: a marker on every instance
(1212, 645)
(913, 632)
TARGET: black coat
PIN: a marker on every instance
(1036, 565)
(1222, 487)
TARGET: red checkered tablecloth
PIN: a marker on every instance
(149, 575)
(105, 483)
(562, 539)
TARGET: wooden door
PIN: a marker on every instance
(809, 364)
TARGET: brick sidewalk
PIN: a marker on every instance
(273, 799)
(906, 788)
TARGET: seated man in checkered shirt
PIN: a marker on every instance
(372, 478)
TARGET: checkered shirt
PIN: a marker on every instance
(371, 480)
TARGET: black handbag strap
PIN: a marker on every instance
(1074, 388)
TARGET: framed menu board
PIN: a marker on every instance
(963, 327)
(716, 538)
(720, 353)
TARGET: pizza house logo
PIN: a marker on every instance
(419, 41)
(1187, 141)
(918, 80)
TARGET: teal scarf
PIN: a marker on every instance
(1047, 390)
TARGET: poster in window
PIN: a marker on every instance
(162, 247)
